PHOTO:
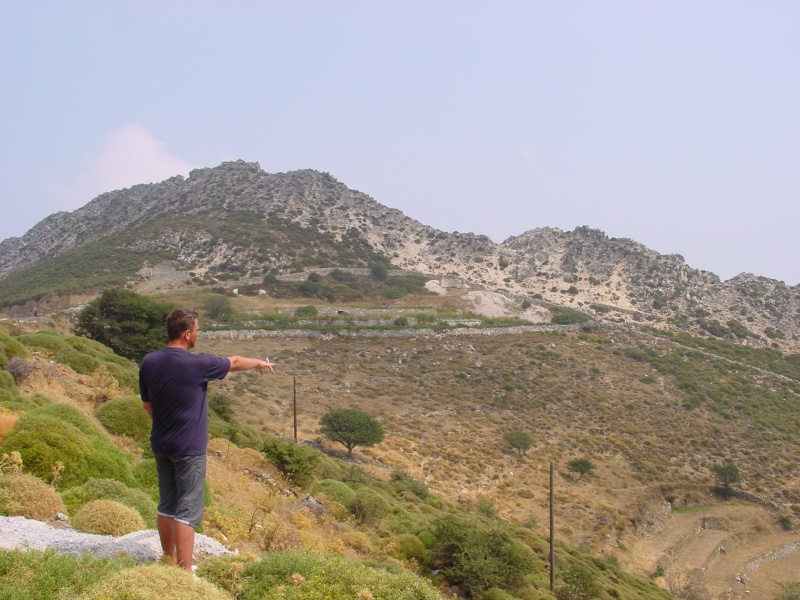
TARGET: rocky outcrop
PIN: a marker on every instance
(231, 220)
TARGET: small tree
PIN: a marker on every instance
(217, 306)
(309, 310)
(727, 475)
(351, 427)
(130, 324)
(519, 440)
(379, 270)
(580, 583)
(581, 466)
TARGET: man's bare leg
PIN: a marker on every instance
(166, 533)
(184, 542)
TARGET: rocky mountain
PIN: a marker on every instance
(236, 222)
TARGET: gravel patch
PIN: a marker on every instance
(142, 546)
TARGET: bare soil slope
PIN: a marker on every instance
(734, 550)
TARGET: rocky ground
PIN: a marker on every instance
(143, 546)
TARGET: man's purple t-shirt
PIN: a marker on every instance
(175, 381)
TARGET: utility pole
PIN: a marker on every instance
(294, 405)
(552, 530)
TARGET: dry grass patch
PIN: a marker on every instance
(28, 496)
(8, 420)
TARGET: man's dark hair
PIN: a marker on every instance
(179, 321)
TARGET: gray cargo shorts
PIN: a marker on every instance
(180, 487)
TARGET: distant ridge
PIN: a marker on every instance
(235, 221)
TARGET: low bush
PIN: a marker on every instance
(11, 399)
(153, 582)
(293, 460)
(296, 576)
(225, 572)
(77, 361)
(61, 444)
(146, 477)
(107, 517)
(478, 559)
(11, 347)
(126, 375)
(27, 496)
(36, 575)
(403, 482)
(408, 547)
(44, 339)
(19, 368)
(369, 506)
(109, 489)
(336, 491)
(126, 416)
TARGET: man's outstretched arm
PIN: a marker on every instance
(240, 363)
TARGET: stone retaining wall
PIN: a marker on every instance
(254, 334)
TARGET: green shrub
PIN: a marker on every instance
(479, 559)
(110, 489)
(336, 491)
(568, 317)
(580, 583)
(293, 460)
(497, 594)
(306, 311)
(146, 477)
(217, 428)
(126, 416)
(7, 381)
(368, 506)
(224, 571)
(790, 590)
(408, 547)
(45, 441)
(52, 574)
(59, 434)
(107, 517)
(402, 481)
(11, 399)
(295, 576)
(221, 405)
(74, 416)
(153, 582)
(126, 376)
(77, 361)
(43, 339)
(27, 496)
(11, 347)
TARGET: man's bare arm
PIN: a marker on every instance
(148, 408)
(240, 363)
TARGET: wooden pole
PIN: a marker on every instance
(552, 530)
(294, 406)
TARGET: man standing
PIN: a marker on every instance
(173, 384)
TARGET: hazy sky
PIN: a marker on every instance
(676, 124)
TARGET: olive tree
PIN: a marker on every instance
(581, 466)
(519, 440)
(727, 475)
(351, 427)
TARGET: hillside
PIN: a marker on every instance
(372, 525)
(235, 225)
(653, 413)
